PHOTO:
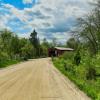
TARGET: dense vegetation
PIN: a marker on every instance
(14, 49)
(85, 75)
(83, 65)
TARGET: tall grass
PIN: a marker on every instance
(6, 63)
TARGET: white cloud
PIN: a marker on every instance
(27, 1)
(20, 14)
(4, 20)
(48, 15)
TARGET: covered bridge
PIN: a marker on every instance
(57, 51)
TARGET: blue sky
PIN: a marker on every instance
(50, 18)
(20, 4)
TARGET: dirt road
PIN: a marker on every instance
(37, 80)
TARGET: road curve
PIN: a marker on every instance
(37, 80)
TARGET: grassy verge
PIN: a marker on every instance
(4, 64)
(77, 75)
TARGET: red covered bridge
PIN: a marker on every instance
(57, 51)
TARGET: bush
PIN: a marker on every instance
(68, 55)
(6, 63)
(3, 56)
(91, 74)
(68, 66)
(77, 58)
(98, 98)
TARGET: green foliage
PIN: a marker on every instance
(91, 73)
(77, 58)
(72, 43)
(13, 49)
(27, 51)
(3, 56)
(35, 42)
(34, 39)
(98, 98)
(85, 75)
(68, 55)
(15, 45)
(6, 63)
(81, 67)
(88, 29)
(44, 48)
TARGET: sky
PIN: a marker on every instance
(50, 18)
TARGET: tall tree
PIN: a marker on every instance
(6, 38)
(15, 45)
(89, 29)
(35, 42)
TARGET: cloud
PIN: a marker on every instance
(4, 20)
(20, 14)
(51, 18)
(27, 1)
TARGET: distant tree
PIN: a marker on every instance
(45, 42)
(72, 43)
(54, 42)
(44, 46)
(27, 51)
(35, 42)
(15, 45)
(88, 33)
(14, 48)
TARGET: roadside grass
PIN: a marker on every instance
(77, 74)
(7, 63)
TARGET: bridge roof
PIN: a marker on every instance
(64, 49)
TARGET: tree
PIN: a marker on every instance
(15, 46)
(45, 42)
(27, 51)
(89, 29)
(72, 43)
(6, 38)
(44, 47)
(54, 42)
(35, 42)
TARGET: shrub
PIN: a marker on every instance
(98, 98)
(91, 73)
(68, 66)
(77, 58)
(68, 55)
(3, 56)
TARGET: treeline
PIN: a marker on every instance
(14, 49)
(83, 65)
